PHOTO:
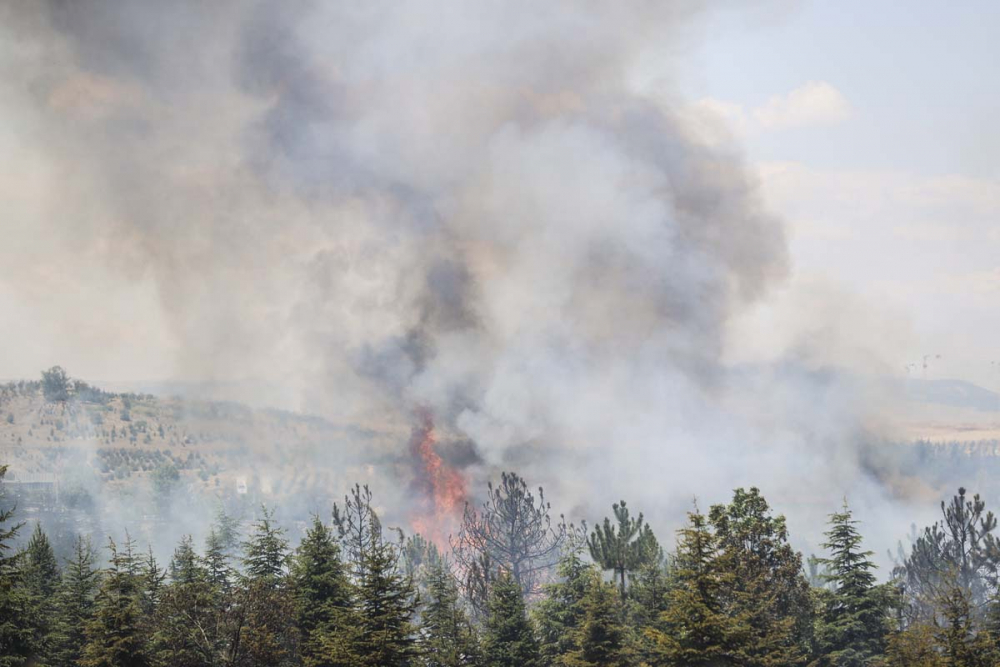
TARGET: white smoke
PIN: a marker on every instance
(364, 207)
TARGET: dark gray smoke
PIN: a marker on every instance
(367, 207)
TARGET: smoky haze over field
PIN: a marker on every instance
(472, 208)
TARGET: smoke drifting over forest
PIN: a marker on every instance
(369, 210)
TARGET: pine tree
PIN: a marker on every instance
(961, 549)
(187, 622)
(116, 636)
(17, 615)
(961, 643)
(623, 548)
(604, 640)
(855, 614)
(266, 551)
(40, 570)
(560, 614)
(914, 647)
(447, 637)
(76, 604)
(185, 567)
(217, 568)
(39, 580)
(261, 629)
(694, 628)
(767, 588)
(386, 605)
(508, 637)
(322, 593)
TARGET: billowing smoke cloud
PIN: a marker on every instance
(366, 208)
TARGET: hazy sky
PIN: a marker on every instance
(870, 126)
(873, 127)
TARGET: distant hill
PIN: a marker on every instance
(952, 393)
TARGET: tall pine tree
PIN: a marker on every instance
(855, 615)
(116, 637)
(447, 637)
(694, 629)
(508, 636)
(323, 595)
(625, 547)
(17, 615)
(75, 604)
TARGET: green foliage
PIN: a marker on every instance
(265, 553)
(187, 630)
(508, 636)
(39, 580)
(732, 593)
(76, 604)
(854, 617)
(767, 590)
(959, 550)
(55, 385)
(385, 608)
(447, 637)
(116, 636)
(18, 620)
(624, 547)
(602, 637)
(695, 628)
(322, 593)
(560, 614)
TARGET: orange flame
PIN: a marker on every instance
(441, 488)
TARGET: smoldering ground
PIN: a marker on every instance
(470, 207)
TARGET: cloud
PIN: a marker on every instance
(815, 103)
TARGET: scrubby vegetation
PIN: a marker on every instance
(515, 588)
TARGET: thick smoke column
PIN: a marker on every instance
(367, 207)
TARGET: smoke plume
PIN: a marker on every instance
(356, 209)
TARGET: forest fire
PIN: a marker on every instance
(440, 488)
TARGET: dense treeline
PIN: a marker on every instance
(515, 588)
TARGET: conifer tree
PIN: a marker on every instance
(218, 571)
(17, 615)
(961, 549)
(75, 604)
(187, 628)
(322, 593)
(854, 621)
(604, 641)
(916, 646)
(560, 614)
(625, 547)
(185, 567)
(266, 551)
(511, 531)
(260, 625)
(116, 636)
(961, 643)
(694, 628)
(767, 586)
(151, 579)
(39, 581)
(40, 570)
(386, 605)
(508, 636)
(447, 637)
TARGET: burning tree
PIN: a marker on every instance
(439, 489)
(511, 533)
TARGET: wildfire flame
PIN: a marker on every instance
(441, 488)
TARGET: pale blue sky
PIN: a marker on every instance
(890, 184)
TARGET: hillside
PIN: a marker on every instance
(89, 460)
